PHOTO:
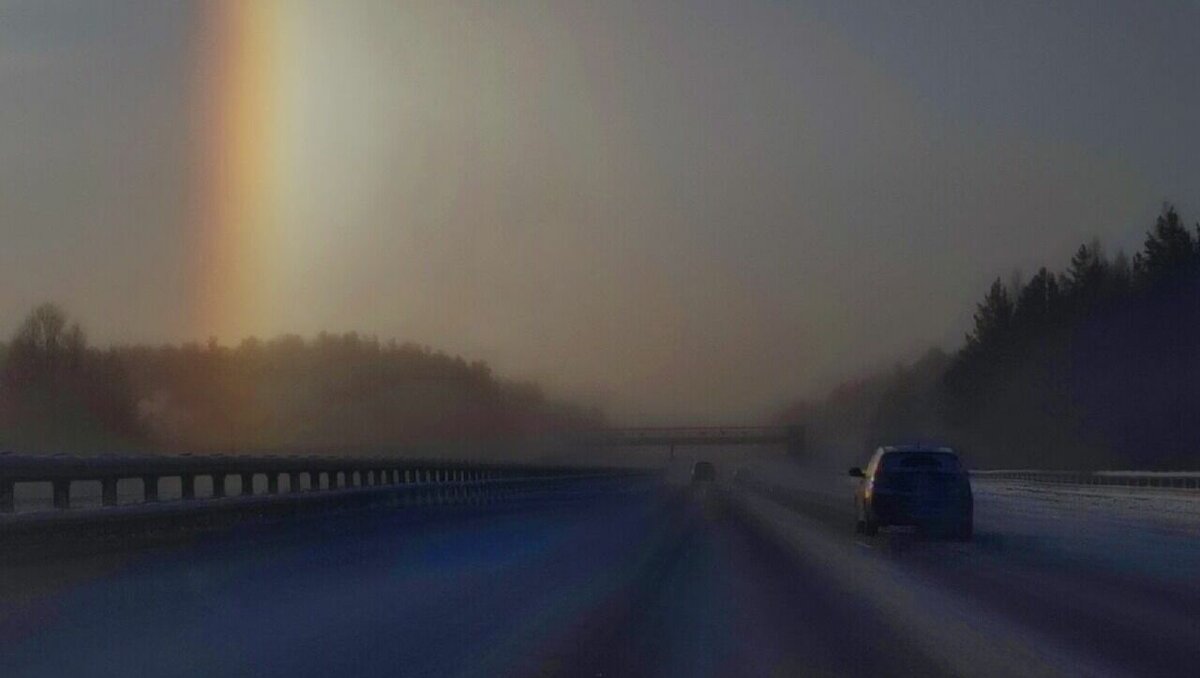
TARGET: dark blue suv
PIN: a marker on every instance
(915, 485)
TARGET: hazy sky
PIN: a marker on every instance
(684, 211)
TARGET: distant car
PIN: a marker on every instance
(914, 485)
(704, 472)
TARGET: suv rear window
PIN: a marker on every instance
(942, 462)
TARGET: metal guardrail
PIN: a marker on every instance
(307, 475)
(1176, 480)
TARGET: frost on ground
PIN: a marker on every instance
(948, 627)
(1133, 530)
(1144, 532)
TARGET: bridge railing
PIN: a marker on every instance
(1178, 480)
(302, 474)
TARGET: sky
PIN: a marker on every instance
(683, 212)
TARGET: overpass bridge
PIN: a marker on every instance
(791, 437)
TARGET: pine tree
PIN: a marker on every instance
(1169, 249)
(993, 319)
(1038, 301)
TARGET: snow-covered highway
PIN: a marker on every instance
(762, 576)
(1059, 580)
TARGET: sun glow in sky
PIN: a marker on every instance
(679, 212)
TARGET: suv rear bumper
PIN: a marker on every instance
(888, 509)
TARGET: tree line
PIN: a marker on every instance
(1094, 366)
(334, 391)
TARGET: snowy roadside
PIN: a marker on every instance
(1145, 533)
(1134, 531)
(946, 626)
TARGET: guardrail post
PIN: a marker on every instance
(187, 486)
(150, 488)
(294, 481)
(247, 484)
(7, 502)
(273, 483)
(218, 480)
(108, 491)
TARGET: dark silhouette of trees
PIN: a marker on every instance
(1040, 302)
(333, 392)
(45, 347)
(1097, 370)
(1169, 250)
(56, 392)
(1096, 366)
(993, 321)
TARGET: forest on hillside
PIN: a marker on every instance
(1094, 366)
(335, 392)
